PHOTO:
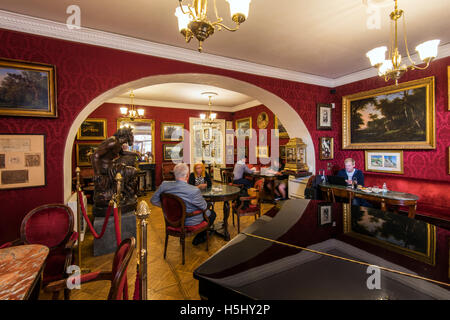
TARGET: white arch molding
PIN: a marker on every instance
(287, 115)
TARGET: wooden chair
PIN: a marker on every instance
(117, 275)
(252, 209)
(51, 225)
(174, 210)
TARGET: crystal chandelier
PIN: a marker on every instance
(211, 117)
(132, 112)
(193, 20)
(392, 68)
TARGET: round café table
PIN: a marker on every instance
(21, 270)
(225, 193)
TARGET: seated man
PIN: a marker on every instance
(239, 169)
(350, 173)
(280, 184)
(191, 196)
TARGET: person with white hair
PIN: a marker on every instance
(191, 195)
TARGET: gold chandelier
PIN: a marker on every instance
(193, 21)
(392, 68)
(132, 112)
(211, 117)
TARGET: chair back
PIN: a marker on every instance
(174, 210)
(50, 225)
(121, 260)
(228, 177)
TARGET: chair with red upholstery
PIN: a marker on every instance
(174, 210)
(50, 225)
(117, 275)
(253, 209)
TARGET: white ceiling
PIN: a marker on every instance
(328, 38)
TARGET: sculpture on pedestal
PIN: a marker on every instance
(108, 160)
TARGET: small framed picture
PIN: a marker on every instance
(283, 152)
(262, 152)
(229, 125)
(84, 152)
(326, 148)
(388, 161)
(172, 131)
(207, 134)
(172, 152)
(92, 129)
(244, 127)
(325, 214)
(324, 116)
(282, 132)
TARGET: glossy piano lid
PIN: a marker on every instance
(269, 255)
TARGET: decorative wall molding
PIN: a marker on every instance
(177, 105)
(47, 28)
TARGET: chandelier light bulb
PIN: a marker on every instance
(239, 8)
(183, 18)
(428, 49)
(140, 112)
(123, 110)
(377, 56)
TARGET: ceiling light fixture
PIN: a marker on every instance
(211, 117)
(132, 112)
(193, 20)
(392, 68)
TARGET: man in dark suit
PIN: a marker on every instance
(350, 173)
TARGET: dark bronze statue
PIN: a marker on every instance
(108, 160)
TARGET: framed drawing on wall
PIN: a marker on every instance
(84, 152)
(326, 148)
(172, 152)
(393, 117)
(324, 116)
(27, 89)
(262, 152)
(244, 127)
(389, 161)
(172, 131)
(22, 161)
(325, 214)
(282, 132)
(92, 129)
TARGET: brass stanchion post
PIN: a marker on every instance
(142, 213)
(117, 201)
(79, 219)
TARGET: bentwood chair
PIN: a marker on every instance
(117, 275)
(253, 209)
(51, 225)
(174, 210)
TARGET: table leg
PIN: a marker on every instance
(221, 228)
(412, 211)
(383, 205)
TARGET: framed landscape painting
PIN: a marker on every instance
(84, 151)
(172, 131)
(22, 161)
(92, 129)
(394, 117)
(27, 89)
(244, 127)
(389, 161)
(172, 152)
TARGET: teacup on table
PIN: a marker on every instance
(376, 189)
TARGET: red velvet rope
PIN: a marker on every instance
(91, 227)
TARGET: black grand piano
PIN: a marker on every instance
(308, 249)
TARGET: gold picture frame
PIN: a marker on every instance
(262, 120)
(386, 161)
(121, 121)
(428, 257)
(43, 103)
(167, 156)
(165, 135)
(244, 121)
(90, 127)
(281, 133)
(326, 148)
(83, 153)
(424, 137)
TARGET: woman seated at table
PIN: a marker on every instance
(200, 178)
(280, 184)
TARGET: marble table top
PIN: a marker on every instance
(20, 266)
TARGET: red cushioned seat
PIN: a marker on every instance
(190, 229)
